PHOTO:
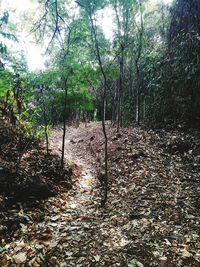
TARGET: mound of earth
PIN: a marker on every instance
(27, 172)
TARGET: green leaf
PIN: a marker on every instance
(132, 264)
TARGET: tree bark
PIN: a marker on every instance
(104, 200)
(138, 76)
(45, 119)
(64, 123)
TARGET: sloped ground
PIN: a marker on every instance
(27, 175)
(152, 214)
(26, 170)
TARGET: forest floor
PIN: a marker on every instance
(152, 217)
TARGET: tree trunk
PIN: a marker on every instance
(45, 119)
(137, 65)
(104, 200)
(144, 108)
(137, 119)
(64, 124)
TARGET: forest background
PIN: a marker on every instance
(150, 64)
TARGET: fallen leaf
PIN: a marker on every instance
(97, 258)
(54, 261)
(186, 254)
(20, 258)
(4, 261)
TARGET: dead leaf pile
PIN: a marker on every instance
(152, 214)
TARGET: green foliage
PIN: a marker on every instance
(165, 71)
(5, 82)
(5, 35)
(92, 5)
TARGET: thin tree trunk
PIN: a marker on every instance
(119, 112)
(65, 98)
(138, 85)
(121, 69)
(77, 117)
(113, 122)
(64, 124)
(118, 108)
(144, 108)
(121, 84)
(45, 120)
(104, 200)
(137, 108)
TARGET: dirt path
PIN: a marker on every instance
(81, 231)
(78, 153)
(151, 217)
(79, 219)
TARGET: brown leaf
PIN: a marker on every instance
(20, 258)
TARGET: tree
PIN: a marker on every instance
(183, 57)
(90, 8)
